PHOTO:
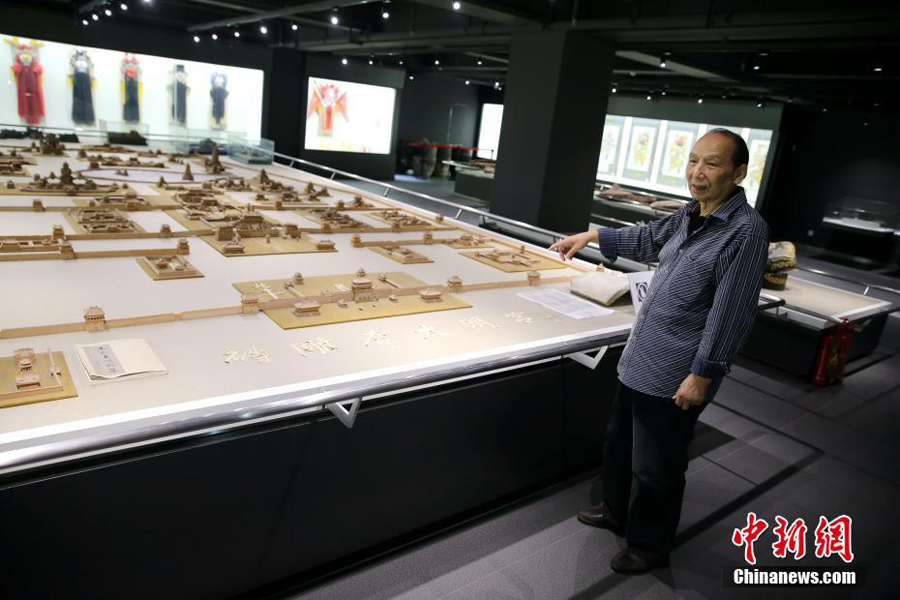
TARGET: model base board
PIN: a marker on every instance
(330, 298)
(400, 254)
(163, 268)
(514, 261)
(256, 246)
(48, 389)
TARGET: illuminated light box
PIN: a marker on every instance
(652, 154)
(343, 116)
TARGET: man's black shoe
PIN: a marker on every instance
(598, 516)
(628, 562)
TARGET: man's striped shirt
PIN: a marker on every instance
(702, 299)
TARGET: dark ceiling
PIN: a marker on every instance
(819, 52)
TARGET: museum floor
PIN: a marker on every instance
(771, 443)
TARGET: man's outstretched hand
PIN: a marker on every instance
(568, 247)
(691, 392)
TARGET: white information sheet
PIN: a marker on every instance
(118, 358)
(566, 304)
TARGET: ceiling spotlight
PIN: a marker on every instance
(237, 34)
(662, 93)
(699, 100)
(84, 22)
(95, 17)
(107, 12)
(759, 104)
(756, 67)
(334, 20)
(214, 36)
(878, 69)
(457, 6)
(824, 109)
(385, 15)
(614, 90)
(662, 63)
(479, 63)
(865, 123)
(401, 63)
(877, 104)
(197, 39)
(147, 1)
(437, 62)
(649, 97)
(411, 77)
(123, 6)
(371, 62)
(294, 26)
(343, 61)
(263, 29)
(467, 82)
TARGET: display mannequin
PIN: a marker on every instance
(82, 88)
(179, 90)
(218, 92)
(131, 84)
(27, 72)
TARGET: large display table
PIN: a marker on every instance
(790, 337)
(238, 467)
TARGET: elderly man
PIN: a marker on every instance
(697, 314)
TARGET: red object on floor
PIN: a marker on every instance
(28, 84)
(832, 356)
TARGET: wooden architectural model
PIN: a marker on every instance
(512, 261)
(401, 254)
(248, 212)
(172, 266)
(27, 377)
(101, 220)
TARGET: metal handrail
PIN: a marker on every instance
(104, 440)
(387, 186)
(868, 286)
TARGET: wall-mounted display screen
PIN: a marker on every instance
(349, 117)
(60, 85)
(489, 131)
(653, 153)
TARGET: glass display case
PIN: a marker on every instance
(251, 152)
(862, 215)
(120, 132)
(200, 141)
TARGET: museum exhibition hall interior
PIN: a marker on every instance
(287, 310)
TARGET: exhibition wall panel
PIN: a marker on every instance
(367, 164)
(343, 116)
(489, 131)
(653, 153)
(646, 144)
(61, 85)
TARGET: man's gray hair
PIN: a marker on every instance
(740, 155)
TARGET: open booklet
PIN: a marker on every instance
(118, 359)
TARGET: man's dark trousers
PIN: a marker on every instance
(645, 457)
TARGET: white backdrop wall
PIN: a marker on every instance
(243, 107)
